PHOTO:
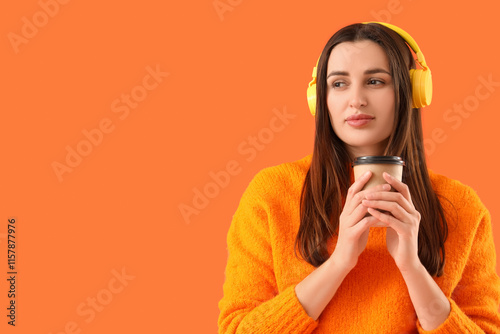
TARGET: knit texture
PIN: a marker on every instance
(262, 269)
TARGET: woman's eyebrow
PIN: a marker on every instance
(370, 71)
(376, 70)
(337, 73)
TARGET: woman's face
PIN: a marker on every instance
(360, 96)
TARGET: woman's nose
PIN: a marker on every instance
(357, 98)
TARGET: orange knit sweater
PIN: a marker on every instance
(262, 270)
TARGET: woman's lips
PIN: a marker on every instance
(358, 121)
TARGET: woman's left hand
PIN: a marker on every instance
(402, 234)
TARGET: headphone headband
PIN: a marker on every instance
(409, 40)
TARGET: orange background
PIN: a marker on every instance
(118, 209)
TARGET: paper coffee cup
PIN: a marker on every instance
(378, 164)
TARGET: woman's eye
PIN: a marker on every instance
(375, 82)
(338, 84)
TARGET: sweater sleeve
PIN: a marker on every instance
(475, 300)
(251, 301)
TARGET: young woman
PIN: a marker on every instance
(304, 256)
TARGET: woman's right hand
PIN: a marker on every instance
(354, 227)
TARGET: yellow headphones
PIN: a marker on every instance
(421, 80)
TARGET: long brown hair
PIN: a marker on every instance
(329, 175)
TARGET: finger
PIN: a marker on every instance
(393, 207)
(358, 185)
(356, 199)
(389, 220)
(398, 185)
(375, 189)
(379, 224)
(352, 193)
(363, 225)
(391, 197)
(357, 215)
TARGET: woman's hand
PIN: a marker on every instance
(354, 227)
(403, 220)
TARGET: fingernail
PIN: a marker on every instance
(386, 187)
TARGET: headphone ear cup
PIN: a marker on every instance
(421, 83)
(311, 98)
